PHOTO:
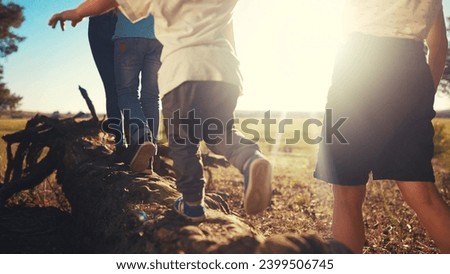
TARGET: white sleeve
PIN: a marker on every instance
(135, 10)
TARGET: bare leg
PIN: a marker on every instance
(432, 211)
(348, 225)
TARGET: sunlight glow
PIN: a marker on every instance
(287, 50)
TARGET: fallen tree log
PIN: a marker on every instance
(118, 211)
(123, 212)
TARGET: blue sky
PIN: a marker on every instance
(50, 64)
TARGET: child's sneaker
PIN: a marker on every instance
(192, 213)
(257, 185)
(139, 155)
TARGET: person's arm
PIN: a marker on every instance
(87, 8)
(437, 44)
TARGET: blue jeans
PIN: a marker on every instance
(100, 32)
(189, 110)
(132, 57)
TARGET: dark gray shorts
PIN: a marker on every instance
(384, 89)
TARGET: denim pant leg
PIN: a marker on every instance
(216, 103)
(183, 145)
(149, 85)
(100, 32)
(128, 62)
(187, 110)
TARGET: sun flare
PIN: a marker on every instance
(287, 50)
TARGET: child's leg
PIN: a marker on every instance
(431, 210)
(188, 168)
(230, 142)
(210, 107)
(218, 132)
(183, 143)
(348, 225)
(149, 85)
(184, 147)
(128, 62)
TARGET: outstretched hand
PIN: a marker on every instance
(61, 17)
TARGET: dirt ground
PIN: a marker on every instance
(301, 204)
(38, 221)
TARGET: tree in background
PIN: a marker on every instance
(8, 100)
(11, 16)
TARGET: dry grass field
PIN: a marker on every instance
(8, 126)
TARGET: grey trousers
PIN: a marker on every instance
(202, 110)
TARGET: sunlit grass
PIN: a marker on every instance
(8, 126)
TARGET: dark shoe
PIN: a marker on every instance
(191, 213)
(138, 156)
(118, 155)
(257, 185)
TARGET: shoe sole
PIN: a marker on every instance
(259, 189)
(141, 159)
(195, 219)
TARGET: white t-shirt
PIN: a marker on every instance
(411, 19)
(193, 35)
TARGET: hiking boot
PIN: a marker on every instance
(257, 185)
(138, 156)
(191, 213)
